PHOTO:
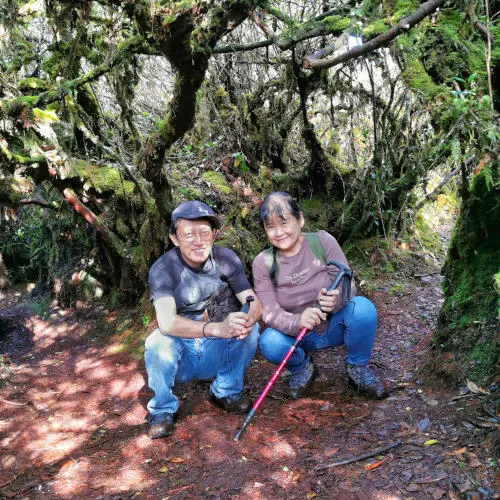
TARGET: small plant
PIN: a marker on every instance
(240, 161)
(145, 319)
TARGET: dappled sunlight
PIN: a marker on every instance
(254, 490)
(278, 450)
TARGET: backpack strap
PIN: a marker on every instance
(316, 247)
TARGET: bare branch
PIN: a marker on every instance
(41, 203)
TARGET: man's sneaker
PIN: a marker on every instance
(366, 381)
(236, 403)
(300, 381)
(161, 425)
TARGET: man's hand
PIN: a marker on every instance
(328, 300)
(236, 324)
(311, 317)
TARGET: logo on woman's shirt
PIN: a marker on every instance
(295, 278)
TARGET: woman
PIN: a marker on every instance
(289, 281)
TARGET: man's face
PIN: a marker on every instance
(195, 239)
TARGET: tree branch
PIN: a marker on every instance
(111, 238)
(241, 47)
(380, 41)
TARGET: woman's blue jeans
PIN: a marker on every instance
(172, 359)
(354, 325)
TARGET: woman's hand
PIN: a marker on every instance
(311, 317)
(328, 300)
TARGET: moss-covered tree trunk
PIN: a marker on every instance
(469, 320)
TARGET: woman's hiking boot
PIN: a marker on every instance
(300, 381)
(365, 380)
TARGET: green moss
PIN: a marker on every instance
(317, 212)
(376, 28)
(402, 8)
(139, 259)
(397, 290)
(218, 181)
(102, 178)
(336, 24)
(121, 227)
(417, 79)
(497, 287)
(426, 236)
(33, 83)
(191, 193)
(483, 360)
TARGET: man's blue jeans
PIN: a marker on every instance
(354, 325)
(172, 359)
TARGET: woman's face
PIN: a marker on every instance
(284, 231)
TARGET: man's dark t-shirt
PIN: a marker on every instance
(190, 287)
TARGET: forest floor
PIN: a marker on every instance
(73, 399)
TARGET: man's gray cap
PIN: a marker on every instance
(196, 210)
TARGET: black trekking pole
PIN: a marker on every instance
(344, 272)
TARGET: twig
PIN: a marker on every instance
(466, 475)
(12, 402)
(360, 457)
(430, 480)
(177, 490)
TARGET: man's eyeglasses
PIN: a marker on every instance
(203, 236)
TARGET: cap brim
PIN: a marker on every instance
(217, 223)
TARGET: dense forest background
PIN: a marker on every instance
(112, 112)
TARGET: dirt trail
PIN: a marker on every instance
(72, 421)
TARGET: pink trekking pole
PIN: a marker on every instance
(344, 272)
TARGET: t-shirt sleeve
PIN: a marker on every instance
(272, 313)
(232, 269)
(334, 252)
(161, 280)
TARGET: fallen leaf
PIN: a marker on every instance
(374, 465)
(475, 388)
(459, 451)
(331, 451)
(163, 469)
(424, 424)
(177, 460)
(473, 460)
(430, 441)
(310, 495)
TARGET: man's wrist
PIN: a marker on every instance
(205, 331)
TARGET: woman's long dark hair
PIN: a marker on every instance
(273, 205)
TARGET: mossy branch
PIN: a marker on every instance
(133, 45)
(380, 41)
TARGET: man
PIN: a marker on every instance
(187, 345)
